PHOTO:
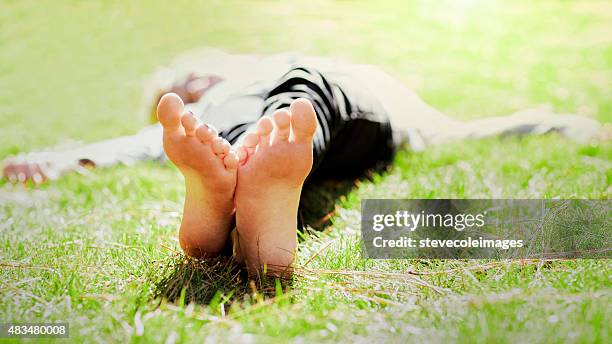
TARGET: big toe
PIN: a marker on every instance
(303, 120)
(169, 111)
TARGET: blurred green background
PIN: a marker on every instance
(75, 69)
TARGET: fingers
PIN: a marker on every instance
(24, 173)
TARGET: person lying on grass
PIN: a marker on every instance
(247, 133)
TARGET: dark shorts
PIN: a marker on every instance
(354, 134)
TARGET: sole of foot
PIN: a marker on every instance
(274, 162)
(209, 168)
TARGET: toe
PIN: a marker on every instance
(190, 123)
(220, 146)
(231, 161)
(242, 153)
(264, 128)
(303, 120)
(206, 133)
(169, 111)
(250, 142)
(282, 124)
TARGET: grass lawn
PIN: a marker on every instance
(91, 249)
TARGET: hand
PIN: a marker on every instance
(37, 167)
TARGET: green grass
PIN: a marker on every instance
(88, 249)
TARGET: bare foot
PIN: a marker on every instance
(209, 168)
(275, 163)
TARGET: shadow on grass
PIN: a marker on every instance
(184, 280)
(319, 200)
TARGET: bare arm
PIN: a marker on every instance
(49, 165)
